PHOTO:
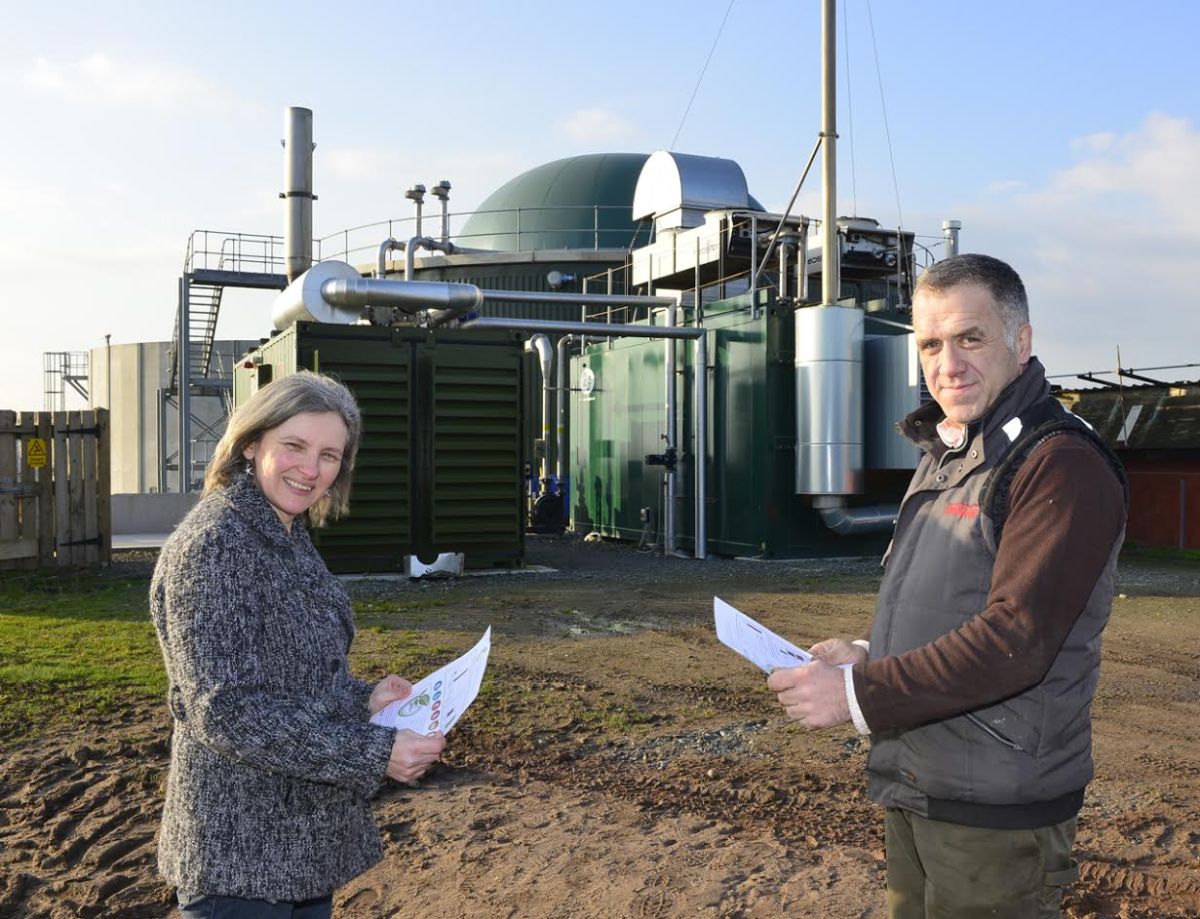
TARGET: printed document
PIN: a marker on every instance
(754, 641)
(438, 701)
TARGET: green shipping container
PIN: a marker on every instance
(439, 469)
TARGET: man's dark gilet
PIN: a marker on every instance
(1025, 760)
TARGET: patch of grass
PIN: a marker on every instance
(1133, 552)
(73, 594)
(397, 614)
(72, 647)
(387, 648)
(617, 718)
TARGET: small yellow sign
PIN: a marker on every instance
(35, 452)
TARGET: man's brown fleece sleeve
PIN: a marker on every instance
(1066, 509)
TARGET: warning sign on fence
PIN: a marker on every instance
(35, 452)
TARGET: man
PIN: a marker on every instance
(977, 681)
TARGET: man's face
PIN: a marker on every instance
(964, 355)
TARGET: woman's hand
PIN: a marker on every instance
(413, 754)
(388, 690)
(834, 651)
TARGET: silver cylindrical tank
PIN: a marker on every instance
(297, 190)
(303, 301)
(829, 402)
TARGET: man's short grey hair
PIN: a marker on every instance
(995, 276)
(274, 404)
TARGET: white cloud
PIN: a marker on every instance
(595, 126)
(1094, 143)
(1107, 248)
(1157, 164)
(101, 79)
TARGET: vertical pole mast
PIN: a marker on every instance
(831, 256)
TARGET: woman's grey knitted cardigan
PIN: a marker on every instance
(273, 758)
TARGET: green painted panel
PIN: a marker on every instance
(476, 456)
(439, 465)
(613, 429)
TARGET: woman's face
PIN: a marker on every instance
(295, 463)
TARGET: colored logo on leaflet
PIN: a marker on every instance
(435, 711)
(412, 705)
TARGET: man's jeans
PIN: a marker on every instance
(203, 906)
(938, 870)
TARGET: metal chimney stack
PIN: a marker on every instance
(441, 191)
(416, 195)
(950, 230)
(297, 190)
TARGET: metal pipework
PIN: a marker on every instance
(335, 292)
(537, 296)
(669, 372)
(831, 256)
(701, 401)
(560, 454)
(950, 230)
(297, 190)
(441, 191)
(543, 296)
(424, 242)
(697, 334)
(416, 194)
(593, 329)
(851, 521)
(388, 245)
(409, 296)
(314, 298)
(541, 344)
(783, 269)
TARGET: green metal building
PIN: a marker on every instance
(619, 418)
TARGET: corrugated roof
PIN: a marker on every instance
(1144, 417)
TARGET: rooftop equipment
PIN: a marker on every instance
(297, 190)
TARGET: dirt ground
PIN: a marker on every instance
(621, 763)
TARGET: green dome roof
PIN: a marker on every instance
(576, 203)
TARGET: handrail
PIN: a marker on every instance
(223, 250)
(366, 237)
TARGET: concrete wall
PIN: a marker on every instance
(135, 513)
(128, 379)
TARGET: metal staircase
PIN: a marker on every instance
(214, 261)
(204, 305)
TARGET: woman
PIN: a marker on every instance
(273, 757)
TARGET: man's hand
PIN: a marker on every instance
(836, 651)
(386, 691)
(814, 695)
(413, 754)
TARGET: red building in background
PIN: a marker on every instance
(1155, 429)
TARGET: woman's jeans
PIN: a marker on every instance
(203, 906)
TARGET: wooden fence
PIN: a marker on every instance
(55, 503)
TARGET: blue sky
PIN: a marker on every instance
(1065, 136)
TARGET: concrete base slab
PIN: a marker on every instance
(479, 573)
(128, 541)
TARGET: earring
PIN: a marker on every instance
(249, 470)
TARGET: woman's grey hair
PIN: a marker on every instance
(995, 276)
(274, 404)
